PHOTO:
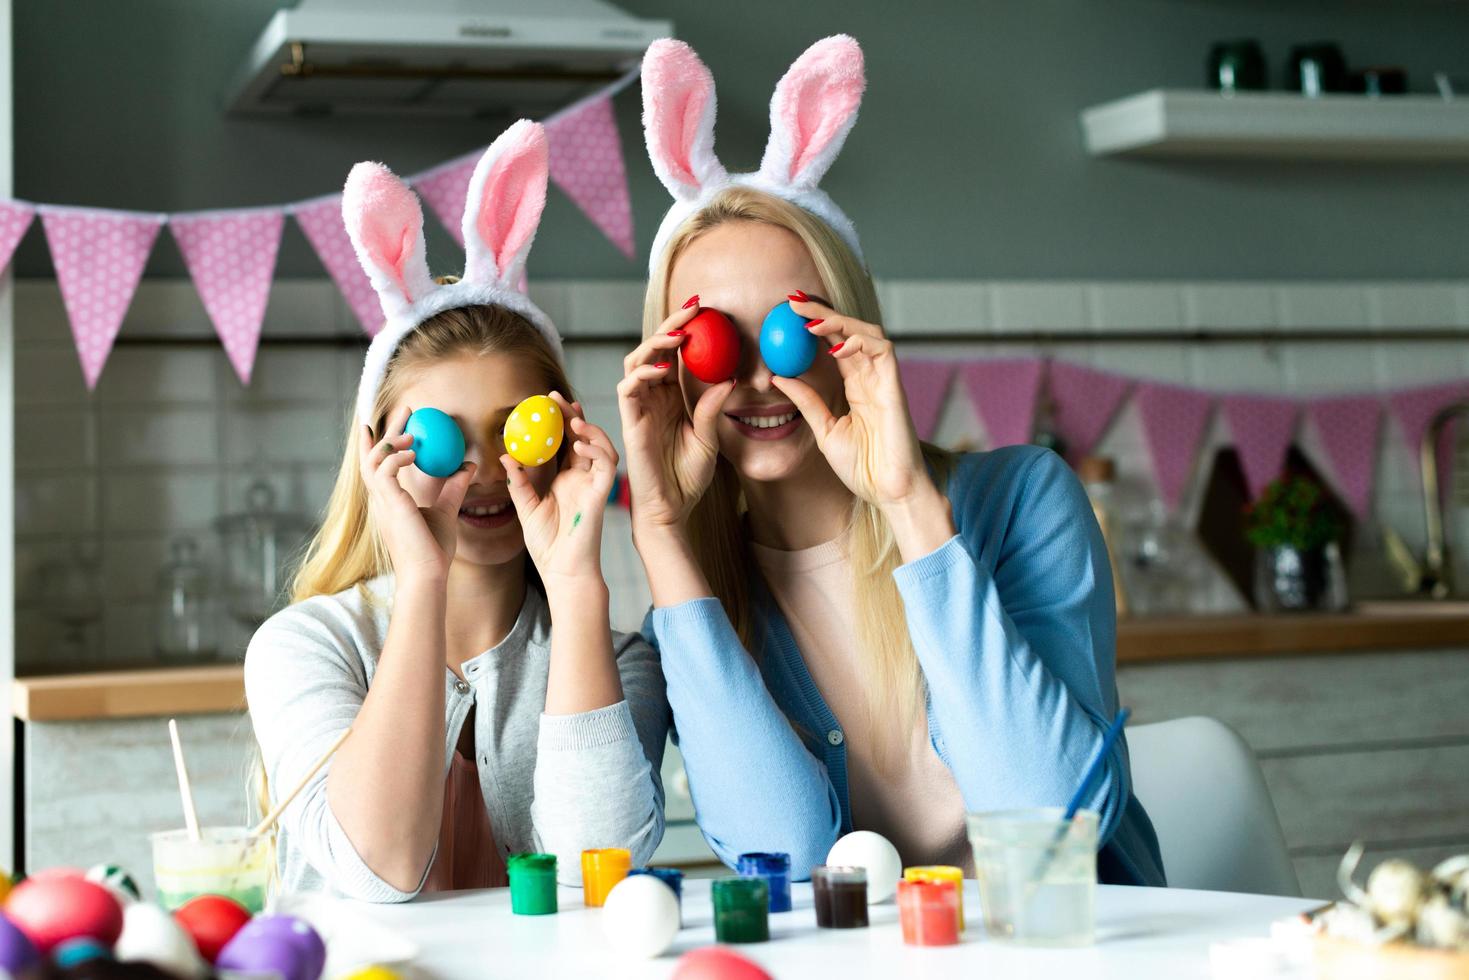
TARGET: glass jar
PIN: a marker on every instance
(184, 612)
(259, 545)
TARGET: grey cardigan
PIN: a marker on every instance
(554, 783)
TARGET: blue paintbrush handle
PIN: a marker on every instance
(1098, 762)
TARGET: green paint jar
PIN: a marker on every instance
(741, 910)
(532, 883)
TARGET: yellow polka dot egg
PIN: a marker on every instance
(534, 430)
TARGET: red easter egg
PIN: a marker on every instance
(712, 350)
(212, 921)
(717, 963)
(53, 907)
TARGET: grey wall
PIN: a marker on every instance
(967, 162)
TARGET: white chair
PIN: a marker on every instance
(1208, 800)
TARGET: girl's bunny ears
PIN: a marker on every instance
(385, 222)
(812, 111)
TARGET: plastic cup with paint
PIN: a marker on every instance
(532, 883)
(1037, 875)
(928, 912)
(776, 870)
(601, 868)
(940, 872)
(226, 861)
(840, 896)
(741, 910)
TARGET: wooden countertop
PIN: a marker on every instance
(219, 688)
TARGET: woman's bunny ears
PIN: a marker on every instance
(812, 111)
(385, 222)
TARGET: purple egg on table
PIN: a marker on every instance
(297, 932)
(264, 952)
(17, 952)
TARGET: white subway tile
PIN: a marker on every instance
(1420, 305)
(49, 376)
(1135, 306)
(131, 632)
(1322, 306)
(1418, 362)
(167, 307)
(172, 436)
(161, 501)
(305, 307)
(301, 434)
(1154, 362)
(1038, 306)
(290, 374)
(1238, 367)
(553, 296)
(49, 438)
(154, 375)
(40, 316)
(595, 370)
(1229, 305)
(1328, 367)
(55, 503)
(936, 306)
(602, 307)
(132, 563)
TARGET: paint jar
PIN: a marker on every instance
(741, 910)
(532, 883)
(929, 912)
(672, 877)
(840, 894)
(601, 868)
(776, 870)
(940, 872)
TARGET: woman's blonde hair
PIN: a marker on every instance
(894, 688)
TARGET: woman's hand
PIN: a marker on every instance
(670, 457)
(563, 527)
(420, 540)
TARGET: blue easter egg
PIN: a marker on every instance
(438, 444)
(786, 345)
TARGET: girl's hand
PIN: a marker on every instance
(420, 540)
(563, 528)
(670, 457)
(874, 447)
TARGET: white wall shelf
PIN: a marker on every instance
(1195, 123)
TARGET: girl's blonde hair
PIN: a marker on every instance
(895, 690)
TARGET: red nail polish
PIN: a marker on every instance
(661, 365)
(691, 302)
(799, 296)
(812, 323)
(676, 333)
(836, 348)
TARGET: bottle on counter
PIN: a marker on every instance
(1098, 476)
(184, 620)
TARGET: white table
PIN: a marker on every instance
(1141, 933)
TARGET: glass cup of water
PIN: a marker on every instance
(1037, 875)
(226, 861)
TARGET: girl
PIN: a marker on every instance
(424, 610)
(859, 631)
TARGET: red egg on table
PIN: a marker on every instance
(212, 921)
(711, 351)
(717, 963)
(53, 907)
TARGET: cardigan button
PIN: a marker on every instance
(462, 687)
(835, 736)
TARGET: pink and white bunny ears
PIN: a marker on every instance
(385, 222)
(813, 109)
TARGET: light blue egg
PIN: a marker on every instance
(79, 950)
(786, 345)
(437, 442)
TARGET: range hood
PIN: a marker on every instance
(438, 57)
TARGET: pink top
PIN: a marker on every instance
(917, 805)
(467, 856)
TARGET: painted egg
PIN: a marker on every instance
(374, 972)
(79, 950)
(786, 346)
(53, 907)
(266, 952)
(865, 849)
(17, 952)
(290, 929)
(115, 878)
(150, 935)
(534, 430)
(438, 444)
(211, 921)
(712, 350)
(717, 963)
(640, 916)
(6, 884)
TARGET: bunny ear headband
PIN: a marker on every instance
(813, 109)
(385, 222)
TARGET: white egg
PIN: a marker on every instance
(640, 916)
(151, 935)
(865, 849)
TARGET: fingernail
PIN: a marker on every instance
(661, 365)
(812, 323)
(692, 301)
(676, 333)
(799, 296)
(838, 347)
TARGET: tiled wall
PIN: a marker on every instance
(170, 439)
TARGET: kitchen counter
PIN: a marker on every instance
(1377, 627)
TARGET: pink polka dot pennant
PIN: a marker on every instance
(926, 385)
(1173, 421)
(1349, 427)
(321, 221)
(1003, 393)
(15, 219)
(586, 163)
(99, 257)
(444, 189)
(1262, 427)
(1086, 401)
(1414, 409)
(231, 256)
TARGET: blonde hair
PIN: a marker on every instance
(894, 683)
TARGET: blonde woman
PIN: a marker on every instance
(459, 626)
(857, 631)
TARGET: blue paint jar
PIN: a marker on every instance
(672, 877)
(786, 346)
(776, 870)
(438, 445)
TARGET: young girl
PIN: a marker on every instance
(858, 631)
(424, 611)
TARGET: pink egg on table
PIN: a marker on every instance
(717, 963)
(52, 907)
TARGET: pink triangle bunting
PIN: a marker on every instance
(231, 256)
(321, 221)
(1003, 393)
(1349, 427)
(1085, 402)
(1174, 420)
(15, 220)
(445, 188)
(1414, 409)
(99, 257)
(926, 384)
(586, 163)
(1262, 427)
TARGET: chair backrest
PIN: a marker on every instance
(1207, 798)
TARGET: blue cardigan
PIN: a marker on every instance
(1014, 627)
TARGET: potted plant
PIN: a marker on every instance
(1297, 558)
